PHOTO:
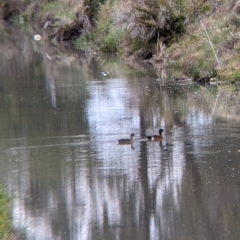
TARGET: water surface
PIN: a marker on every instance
(60, 121)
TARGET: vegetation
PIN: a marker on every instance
(165, 33)
(5, 216)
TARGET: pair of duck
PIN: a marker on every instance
(154, 138)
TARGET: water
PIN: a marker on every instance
(60, 121)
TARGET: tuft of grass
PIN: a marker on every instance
(63, 11)
(84, 43)
(155, 21)
(236, 76)
(110, 43)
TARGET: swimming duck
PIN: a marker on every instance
(105, 73)
(156, 137)
(126, 141)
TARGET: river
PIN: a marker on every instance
(60, 158)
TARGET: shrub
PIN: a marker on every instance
(109, 43)
(194, 72)
(154, 22)
(108, 35)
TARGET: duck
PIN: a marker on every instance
(156, 137)
(104, 73)
(126, 141)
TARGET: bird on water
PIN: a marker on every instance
(156, 137)
(126, 141)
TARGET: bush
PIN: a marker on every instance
(154, 22)
(108, 36)
(194, 72)
(109, 43)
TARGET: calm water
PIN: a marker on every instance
(59, 125)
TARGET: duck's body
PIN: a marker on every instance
(105, 73)
(156, 137)
(126, 141)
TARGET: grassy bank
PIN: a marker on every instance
(193, 54)
(6, 230)
(195, 38)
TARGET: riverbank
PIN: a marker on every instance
(188, 39)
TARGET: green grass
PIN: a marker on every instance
(236, 76)
(5, 215)
(109, 43)
(60, 10)
(84, 43)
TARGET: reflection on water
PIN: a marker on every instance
(60, 121)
